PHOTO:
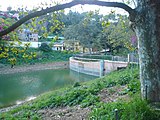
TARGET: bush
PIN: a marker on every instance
(136, 109)
(134, 86)
(45, 47)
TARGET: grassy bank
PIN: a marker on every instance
(87, 95)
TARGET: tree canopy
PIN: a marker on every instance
(100, 32)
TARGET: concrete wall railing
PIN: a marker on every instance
(94, 66)
(91, 68)
(110, 66)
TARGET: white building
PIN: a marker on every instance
(59, 45)
(27, 35)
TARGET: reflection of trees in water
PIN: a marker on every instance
(10, 89)
(80, 77)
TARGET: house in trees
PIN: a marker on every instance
(59, 45)
(56, 43)
(28, 36)
(74, 45)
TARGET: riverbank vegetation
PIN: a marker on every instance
(119, 90)
(41, 56)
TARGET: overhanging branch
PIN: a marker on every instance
(63, 6)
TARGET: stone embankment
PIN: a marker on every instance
(35, 67)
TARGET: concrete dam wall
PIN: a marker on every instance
(95, 67)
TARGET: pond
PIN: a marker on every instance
(15, 88)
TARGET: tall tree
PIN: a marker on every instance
(145, 21)
(85, 31)
(71, 18)
(116, 33)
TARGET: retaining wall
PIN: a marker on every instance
(95, 67)
(110, 66)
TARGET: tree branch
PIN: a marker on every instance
(63, 6)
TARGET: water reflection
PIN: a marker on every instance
(16, 87)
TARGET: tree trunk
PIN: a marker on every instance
(147, 29)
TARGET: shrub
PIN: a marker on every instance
(45, 47)
(136, 109)
(134, 86)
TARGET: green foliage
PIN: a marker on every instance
(32, 56)
(85, 31)
(76, 84)
(136, 109)
(54, 56)
(104, 111)
(134, 85)
(14, 55)
(116, 34)
(90, 100)
(45, 47)
(25, 115)
(102, 32)
(124, 79)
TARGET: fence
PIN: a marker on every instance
(132, 57)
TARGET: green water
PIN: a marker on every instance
(22, 86)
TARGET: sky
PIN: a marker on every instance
(31, 3)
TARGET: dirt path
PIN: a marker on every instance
(65, 113)
(26, 68)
